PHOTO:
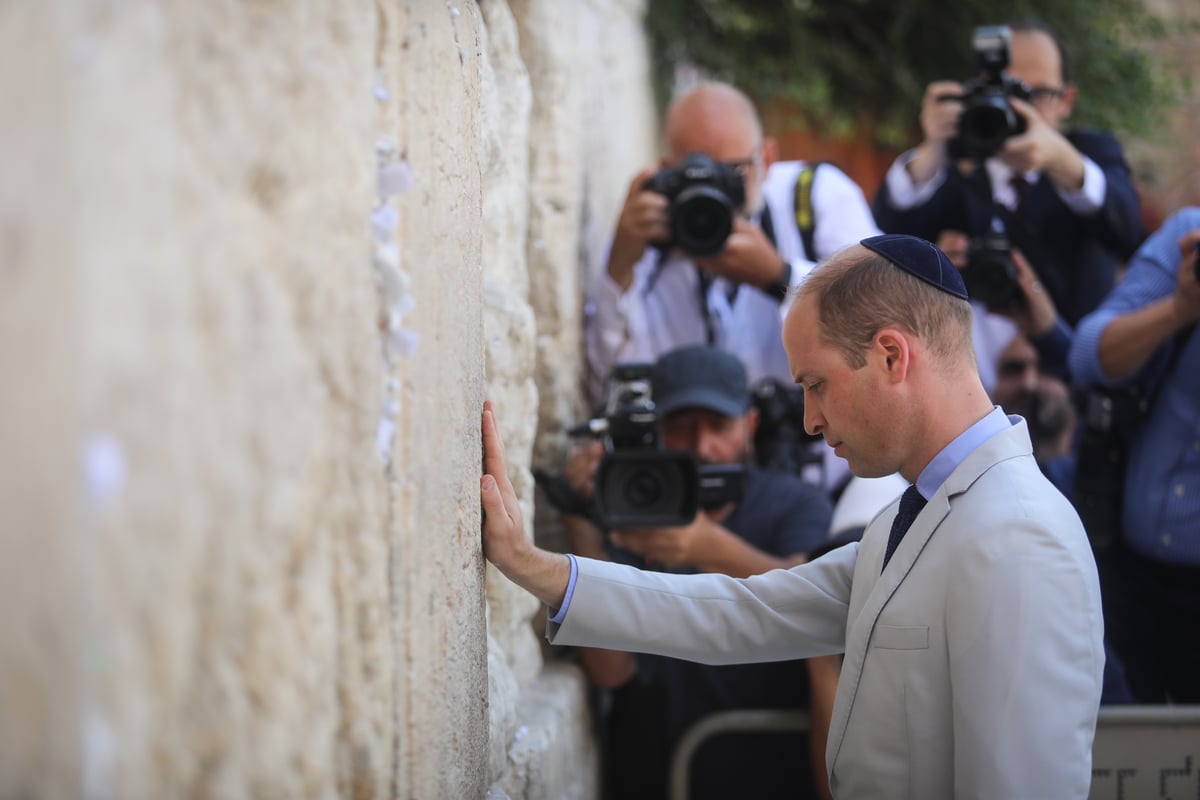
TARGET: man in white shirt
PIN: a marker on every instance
(650, 301)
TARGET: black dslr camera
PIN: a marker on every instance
(988, 119)
(780, 441)
(991, 275)
(639, 484)
(704, 195)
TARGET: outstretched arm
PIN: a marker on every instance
(541, 573)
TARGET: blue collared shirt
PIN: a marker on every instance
(933, 476)
(1161, 517)
(558, 615)
(953, 454)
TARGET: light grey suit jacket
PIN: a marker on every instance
(973, 663)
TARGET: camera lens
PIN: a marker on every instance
(991, 276)
(701, 220)
(644, 489)
(986, 125)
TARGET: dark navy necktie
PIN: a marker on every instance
(1020, 188)
(911, 503)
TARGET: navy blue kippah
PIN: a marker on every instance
(919, 257)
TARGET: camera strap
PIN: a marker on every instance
(806, 222)
(704, 279)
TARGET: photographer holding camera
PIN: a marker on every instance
(1144, 336)
(703, 404)
(995, 159)
(706, 248)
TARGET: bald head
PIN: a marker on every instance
(720, 121)
(712, 118)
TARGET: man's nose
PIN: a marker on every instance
(706, 444)
(814, 422)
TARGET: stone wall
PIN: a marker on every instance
(262, 262)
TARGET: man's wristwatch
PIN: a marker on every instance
(778, 288)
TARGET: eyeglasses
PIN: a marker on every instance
(742, 166)
(1040, 94)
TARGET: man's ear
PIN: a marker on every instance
(770, 151)
(892, 348)
(1070, 94)
(751, 420)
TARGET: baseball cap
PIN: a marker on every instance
(700, 377)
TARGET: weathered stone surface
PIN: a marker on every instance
(262, 262)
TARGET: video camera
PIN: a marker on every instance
(703, 196)
(987, 118)
(780, 441)
(640, 484)
(991, 275)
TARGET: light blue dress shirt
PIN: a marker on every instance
(1161, 517)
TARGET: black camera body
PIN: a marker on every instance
(988, 118)
(780, 441)
(990, 275)
(703, 195)
(639, 484)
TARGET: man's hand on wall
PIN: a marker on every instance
(539, 572)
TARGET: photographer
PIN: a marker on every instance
(1064, 198)
(1019, 306)
(658, 293)
(1144, 335)
(704, 405)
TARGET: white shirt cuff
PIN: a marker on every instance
(1090, 197)
(903, 192)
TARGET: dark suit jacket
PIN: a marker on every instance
(1075, 256)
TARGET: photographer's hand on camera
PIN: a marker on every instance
(1042, 148)
(747, 257)
(672, 548)
(939, 123)
(644, 219)
(704, 545)
(1187, 284)
(1037, 314)
(1129, 341)
(579, 469)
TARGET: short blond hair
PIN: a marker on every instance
(859, 292)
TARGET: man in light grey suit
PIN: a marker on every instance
(969, 614)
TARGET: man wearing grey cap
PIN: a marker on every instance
(969, 614)
(702, 399)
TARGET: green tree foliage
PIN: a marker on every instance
(848, 63)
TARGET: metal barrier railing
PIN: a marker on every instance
(743, 720)
(1139, 751)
